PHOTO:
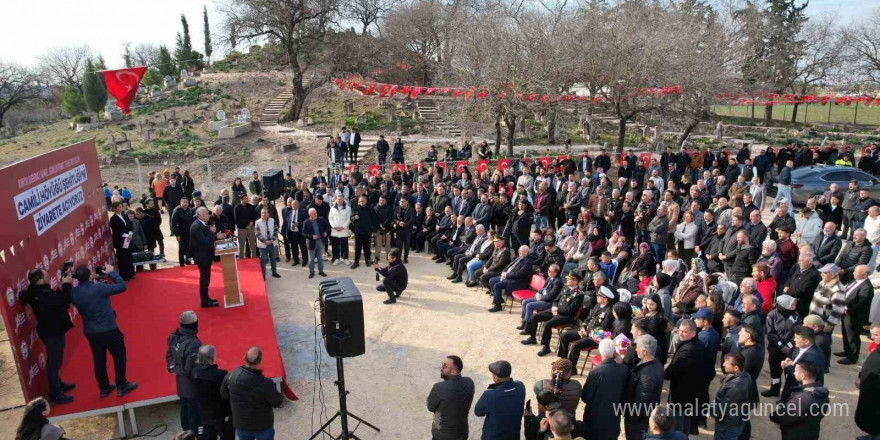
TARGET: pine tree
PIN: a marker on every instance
(166, 65)
(208, 48)
(126, 56)
(94, 90)
(72, 103)
(183, 49)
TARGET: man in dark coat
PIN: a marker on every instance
(806, 350)
(214, 411)
(516, 276)
(603, 394)
(382, 150)
(252, 397)
(201, 241)
(735, 395)
(180, 359)
(181, 222)
(644, 387)
(859, 294)
(868, 383)
(450, 401)
(803, 284)
(502, 404)
(402, 226)
(827, 245)
(292, 218)
(688, 358)
(799, 414)
(396, 277)
(563, 311)
(364, 221)
(171, 195)
(780, 325)
(856, 252)
(53, 321)
(121, 227)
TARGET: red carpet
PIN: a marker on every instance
(148, 312)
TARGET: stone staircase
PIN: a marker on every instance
(429, 113)
(274, 107)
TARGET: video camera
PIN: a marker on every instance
(100, 271)
(66, 268)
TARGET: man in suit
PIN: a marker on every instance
(543, 298)
(354, 142)
(806, 349)
(315, 229)
(292, 218)
(603, 394)
(201, 242)
(181, 221)
(515, 276)
(468, 203)
(450, 401)
(468, 253)
(859, 294)
(465, 238)
(688, 359)
(121, 228)
(827, 245)
(483, 211)
(494, 265)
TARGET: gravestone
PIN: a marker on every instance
(155, 90)
(349, 107)
(345, 109)
(301, 122)
(310, 121)
(184, 73)
(221, 115)
(169, 82)
(719, 131)
(147, 133)
(389, 114)
(284, 148)
(245, 115)
(644, 132)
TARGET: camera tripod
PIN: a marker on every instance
(343, 413)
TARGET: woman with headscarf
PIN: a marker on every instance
(35, 426)
(686, 297)
(566, 391)
(671, 267)
(597, 240)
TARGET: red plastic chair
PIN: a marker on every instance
(536, 283)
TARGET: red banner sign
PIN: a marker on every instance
(53, 210)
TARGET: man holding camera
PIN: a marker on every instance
(396, 277)
(92, 300)
(53, 321)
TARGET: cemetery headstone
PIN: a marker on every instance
(184, 73)
(169, 82)
(147, 133)
(719, 131)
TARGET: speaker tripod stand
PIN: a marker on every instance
(343, 413)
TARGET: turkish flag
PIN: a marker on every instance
(123, 84)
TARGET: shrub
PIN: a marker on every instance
(82, 119)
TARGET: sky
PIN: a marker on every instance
(105, 25)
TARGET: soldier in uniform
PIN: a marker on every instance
(581, 339)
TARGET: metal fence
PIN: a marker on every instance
(209, 175)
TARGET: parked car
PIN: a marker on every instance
(812, 181)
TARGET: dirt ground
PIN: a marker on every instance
(406, 344)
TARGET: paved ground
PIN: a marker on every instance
(406, 343)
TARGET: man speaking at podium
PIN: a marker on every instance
(201, 241)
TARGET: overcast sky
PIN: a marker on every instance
(32, 26)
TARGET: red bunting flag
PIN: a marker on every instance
(415, 92)
(444, 90)
(456, 92)
(531, 96)
(392, 91)
(405, 89)
(123, 85)
(482, 94)
(545, 98)
(383, 90)
(430, 90)
(501, 95)
(340, 83)
(369, 90)
(467, 95)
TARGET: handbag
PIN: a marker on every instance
(140, 257)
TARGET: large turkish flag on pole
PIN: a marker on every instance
(123, 84)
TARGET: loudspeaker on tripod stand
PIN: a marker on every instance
(342, 325)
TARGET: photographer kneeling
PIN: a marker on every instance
(92, 300)
(395, 277)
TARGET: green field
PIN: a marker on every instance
(814, 113)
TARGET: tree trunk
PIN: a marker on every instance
(551, 128)
(510, 120)
(299, 98)
(621, 134)
(768, 114)
(687, 131)
(794, 110)
(497, 147)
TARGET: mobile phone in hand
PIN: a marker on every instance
(529, 405)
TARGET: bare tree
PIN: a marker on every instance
(145, 54)
(300, 27)
(863, 44)
(820, 56)
(368, 12)
(17, 85)
(65, 64)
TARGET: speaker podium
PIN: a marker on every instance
(227, 249)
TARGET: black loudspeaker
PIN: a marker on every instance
(273, 183)
(342, 318)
